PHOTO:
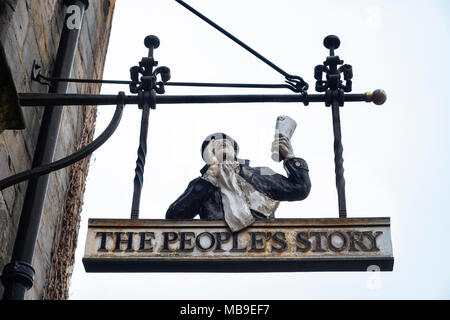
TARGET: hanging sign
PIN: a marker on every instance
(280, 245)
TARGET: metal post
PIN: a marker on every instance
(147, 92)
(140, 163)
(334, 89)
(18, 275)
(336, 95)
(338, 160)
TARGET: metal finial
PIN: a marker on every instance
(379, 97)
(151, 42)
(331, 42)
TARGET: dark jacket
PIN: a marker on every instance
(203, 198)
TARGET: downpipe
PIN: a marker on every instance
(18, 275)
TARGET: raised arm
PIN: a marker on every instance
(296, 186)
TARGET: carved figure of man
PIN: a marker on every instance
(229, 189)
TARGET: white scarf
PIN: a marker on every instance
(239, 196)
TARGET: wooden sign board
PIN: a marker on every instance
(280, 245)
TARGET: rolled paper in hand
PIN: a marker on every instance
(284, 126)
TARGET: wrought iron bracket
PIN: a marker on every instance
(148, 80)
(159, 87)
(76, 156)
(45, 80)
(148, 89)
(335, 97)
(333, 85)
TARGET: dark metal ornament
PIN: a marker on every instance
(146, 87)
(334, 93)
(146, 90)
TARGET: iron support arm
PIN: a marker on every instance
(67, 161)
(54, 99)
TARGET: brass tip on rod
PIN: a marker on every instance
(378, 97)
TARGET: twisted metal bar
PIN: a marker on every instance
(335, 97)
(338, 160)
(147, 91)
(140, 162)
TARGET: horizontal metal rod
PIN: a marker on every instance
(54, 79)
(45, 99)
(230, 85)
(174, 84)
(236, 98)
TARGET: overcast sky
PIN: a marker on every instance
(395, 156)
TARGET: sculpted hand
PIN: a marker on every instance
(212, 161)
(283, 146)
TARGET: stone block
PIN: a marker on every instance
(4, 232)
(40, 265)
(15, 145)
(6, 169)
(46, 234)
(11, 116)
(19, 22)
(30, 53)
(7, 9)
(18, 203)
(14, 56)
(31, 132)
(41, 30)
(85, 48)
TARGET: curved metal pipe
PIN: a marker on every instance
(64, 162)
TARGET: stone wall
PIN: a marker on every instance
(30, 30)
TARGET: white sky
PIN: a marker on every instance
(395, 156)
